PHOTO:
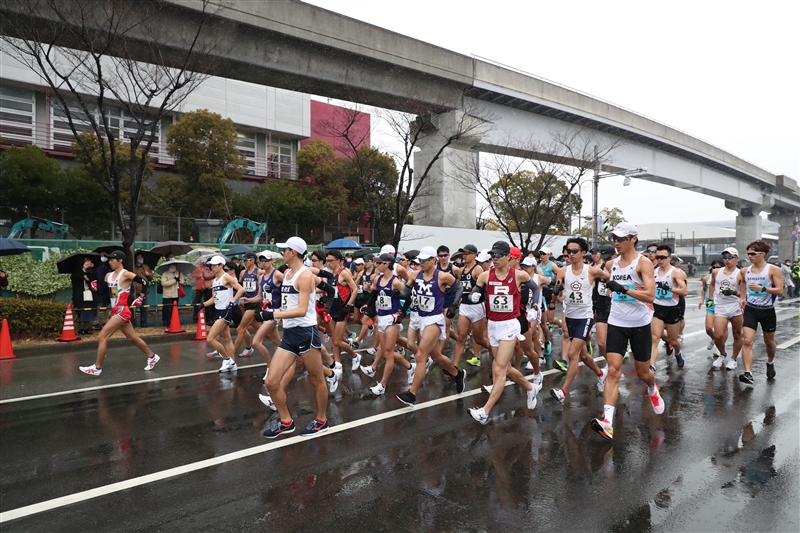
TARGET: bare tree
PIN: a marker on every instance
(528, 186)
(98, 90)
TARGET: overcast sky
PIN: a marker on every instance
(725, 72)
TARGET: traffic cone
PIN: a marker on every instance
(202, 333)
(175, 322)
(68, 331)
(6, 350)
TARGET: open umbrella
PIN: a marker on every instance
(363, 252)
(150, 258)
(184, 267)
(108, 248)
(410, 254)
(239, 249)
(70, 264)
(12, 247)
(203, 259)
(343, 244)
(171, 247)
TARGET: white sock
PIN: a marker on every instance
(608, 412)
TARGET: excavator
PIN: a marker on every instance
(38, 224)
(258, 229)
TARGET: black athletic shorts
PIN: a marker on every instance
(682, 306)
(639, 338)
(523, 324)
(339, 311)
(224, 314)
(601, 312)
(668, 314)
(252, 306)
(753, 316)
(362, 299)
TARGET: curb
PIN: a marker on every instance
(59, 348)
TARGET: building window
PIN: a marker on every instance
(281, 158)
(122, 125)
(246, 143)
(16, 115)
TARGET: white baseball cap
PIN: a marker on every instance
(625, 229)
(358, 261)
(545, 250)
(217, 260)
(295, 243)
(483, 256)
(426, 253)
(529, 262)
(387, 249)
(731, 250)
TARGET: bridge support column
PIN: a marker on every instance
(787, 248)
(748, 224)
(445, 198)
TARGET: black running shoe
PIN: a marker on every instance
(407, 398)
(747, 377)
(460, 377)
(670, 349)
(770, 370)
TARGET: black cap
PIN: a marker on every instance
(594, 250)
(470, 248)
(116, 254)
(250, 255)
(606, 251)
(386, 258)
(501, 247)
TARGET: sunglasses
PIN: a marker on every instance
(660, 257)
(754, 253)
(497, 255)
(444, 255)
(715, 267)
(572, 251)
(727, 257)
(651, 251)
(620, 239)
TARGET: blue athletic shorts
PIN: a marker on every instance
(300, 339)
(579, 328)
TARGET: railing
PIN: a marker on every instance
(42, 134)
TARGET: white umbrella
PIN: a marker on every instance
(184, 267)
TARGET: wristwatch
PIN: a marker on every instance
(763, 288)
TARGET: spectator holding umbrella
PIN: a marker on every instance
(143, 271)
(169, 283)
(84, 279)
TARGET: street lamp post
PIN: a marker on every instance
(596, 182)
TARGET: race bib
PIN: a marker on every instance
(501, 303)
(575, 299)
(663, 294)
(426, 303)
(284, 302)
(621, 297)
(467, 285)
(602, 289)
(384, 302)
(114, 291)
(249, 285)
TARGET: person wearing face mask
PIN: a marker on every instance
(169, 283)
(144, 272)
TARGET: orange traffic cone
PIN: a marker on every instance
(202, 333)
(175, 322)
(6, 350)
(68, 331)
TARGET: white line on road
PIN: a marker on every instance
(789, 343)
(97, 492)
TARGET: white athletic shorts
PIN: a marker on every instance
(504, 330)
(727, 311)
(474, 312)
(413, 320)
(386, 321)
(425, 321)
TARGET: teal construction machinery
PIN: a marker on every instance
(204, 228)
(38, 224)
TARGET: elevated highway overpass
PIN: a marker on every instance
(302, 47)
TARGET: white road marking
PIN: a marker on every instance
(789, 343)
(104, 490)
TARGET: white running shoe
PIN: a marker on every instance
(356, 362)
(601, 379)
(228, 365)
(267, 400)
(411, 372)
(719, 361)
(333, 383)
(480, 415)
(372, 351)
(529, 366)
(368, 371)
(151, 362)
(428, 364)
(538, 379)
(371, 331)
(247, 352)
(731, 364)
(326, 337)
(532, 396)
(487, 388)
(558, 394)
(658, 402)
(91, 370)
(338, 370)
(710, 345)
(377, 390)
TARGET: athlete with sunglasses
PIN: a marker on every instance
(707, 299)
(725, 288)
(670, 286)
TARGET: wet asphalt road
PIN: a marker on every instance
(723, 457)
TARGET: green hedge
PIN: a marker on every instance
(32, 318)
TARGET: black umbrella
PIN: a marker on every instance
(12, 247)
(71, 263)
(108, 248)
(171, 247)
(184, 267)
(410, 254)
(239, 249)
(150, 258)
(363, 252)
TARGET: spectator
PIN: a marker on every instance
(202, 289)
(796, 278)
(3, 279)
(691, 270)
(169, 283)
(103, 296)
(83, 295)
(788, 286)
(142, 270)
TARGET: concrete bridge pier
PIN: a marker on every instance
(788, 221)
(445, 198)
(748, 222)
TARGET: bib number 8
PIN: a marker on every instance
(384, 303)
